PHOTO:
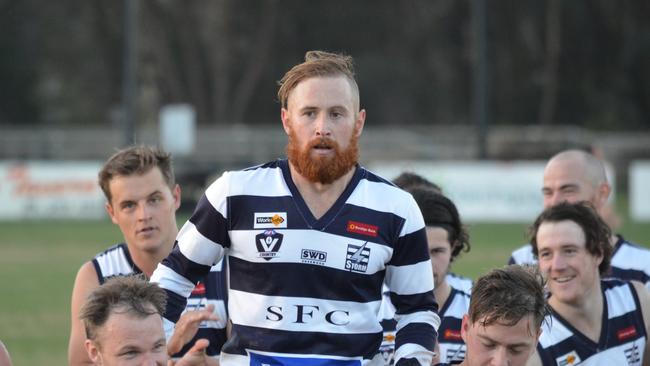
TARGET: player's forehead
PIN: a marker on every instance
(503, 333)
(322, 92)
(560, 234)
(137, 186)
(124, 330)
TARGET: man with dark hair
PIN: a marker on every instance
(141, 199)
(123, 323)
(407, 180)
(447, 238)
(505, 314)
(592, 321)
(311, 239)
(574, 176)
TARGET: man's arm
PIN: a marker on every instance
(187, 326)
(409, 278)
(199, 245)
(85, 282)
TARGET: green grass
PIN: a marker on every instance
(39, 260)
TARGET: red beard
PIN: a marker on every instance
(323, 169)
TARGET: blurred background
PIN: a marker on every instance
(473, 95)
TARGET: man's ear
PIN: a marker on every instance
(111, 212)
(176, 193)
(286, 123)
(464, 328)
(92, 349)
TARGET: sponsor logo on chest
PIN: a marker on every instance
(268, 244)
(270, 220)
(357, 257)
(568, 359)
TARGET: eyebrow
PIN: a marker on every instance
(521, 344)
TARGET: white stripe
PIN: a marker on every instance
(301, 314)
(268, 182)
(114, 263)
(553, 332)
(294, 241)
(411, 279)
(197, 247)
(228, 359)
(630, 257)
(412, 350)
(427, 317)
(458, 307)
(619, 301)
(172, 281)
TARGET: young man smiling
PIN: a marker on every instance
(592, 321)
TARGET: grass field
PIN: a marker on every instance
(39, 260)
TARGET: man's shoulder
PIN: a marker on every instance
(523, 255)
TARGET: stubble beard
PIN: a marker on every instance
(323, 169)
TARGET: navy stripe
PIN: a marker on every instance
(418, 333)
(98, 271)
(242, 211)
(319, 343)
(175, 306)
(372, 177)
(388, 325)
(629, 274)
(279, 279)
(407, 304)
(217, 338)
(388, 224)
(180, 264)
(411, 249)
(210, 223)
(409, 362)
(450, 323)
(270, 164)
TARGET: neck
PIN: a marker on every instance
(148, 261)
(441, 292)
(320, 197)
(584, 315)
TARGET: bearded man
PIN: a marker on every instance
(310, 240)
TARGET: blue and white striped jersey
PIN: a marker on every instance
(629, 261)
(304, 290)
(451, 345)
(622, 338)
(116, 261)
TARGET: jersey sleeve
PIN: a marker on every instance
(410, 279)
(200, 243)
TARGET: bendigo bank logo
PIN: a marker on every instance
(268, 243)
(356, 260)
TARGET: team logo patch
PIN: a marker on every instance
(626, 333)
(356, 260)
(452, 334)
(270, 220)
(570, 358)
(361, 228)
(313, 256)
(268, 244)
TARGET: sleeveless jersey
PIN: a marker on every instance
(306, 290)
(116, 261)
(622, 338)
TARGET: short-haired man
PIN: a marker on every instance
(592, 321)
(574, 176)
(311, 239)
(505, 314)
(123, 323)
(142, 198)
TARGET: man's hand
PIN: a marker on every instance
(195, 356)
(187, 326)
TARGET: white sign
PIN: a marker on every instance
(178, 129)
(483, 191)
(52, 190)
(639, 187)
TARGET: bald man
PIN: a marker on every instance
(573, 176)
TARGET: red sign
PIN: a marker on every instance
(363, 229)
(626, 333)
